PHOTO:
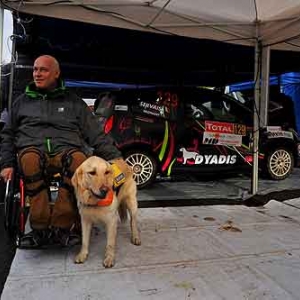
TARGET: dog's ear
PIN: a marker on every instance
(109, 174)
(76, 178)
(109, 167)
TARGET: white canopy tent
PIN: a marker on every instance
(263, 24)
(240, 21)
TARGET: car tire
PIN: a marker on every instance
(280, 163)
(144, 167)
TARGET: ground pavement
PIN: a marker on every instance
(209, 252)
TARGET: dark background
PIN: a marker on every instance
(102, 53)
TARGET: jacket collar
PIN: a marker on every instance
(32, 92)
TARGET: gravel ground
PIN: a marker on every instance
(7, 251)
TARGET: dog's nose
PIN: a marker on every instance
(103, 193)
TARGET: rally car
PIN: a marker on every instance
(168, 130)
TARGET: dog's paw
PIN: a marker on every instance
(108, 262)
(136, 240)
(80, 258)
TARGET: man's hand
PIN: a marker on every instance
(7, 173)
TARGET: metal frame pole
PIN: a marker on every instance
(265, 78)
(12, 70)
(257, 76)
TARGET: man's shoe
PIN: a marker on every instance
(35, 239)
(66, 237)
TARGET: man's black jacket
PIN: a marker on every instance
(58, 117)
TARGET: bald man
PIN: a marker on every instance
(48, 128)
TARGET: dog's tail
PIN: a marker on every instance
(123, 212)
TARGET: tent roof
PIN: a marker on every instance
(224, 20)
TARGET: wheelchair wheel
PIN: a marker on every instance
(15, 209)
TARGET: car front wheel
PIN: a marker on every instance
(144, 167)
(280, 163)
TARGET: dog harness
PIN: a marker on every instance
(119, 176)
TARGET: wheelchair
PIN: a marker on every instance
(17, 204)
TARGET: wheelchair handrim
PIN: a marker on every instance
(6, 199)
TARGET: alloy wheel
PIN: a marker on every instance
(142, 167)
(280, 163)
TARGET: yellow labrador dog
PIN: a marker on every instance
(98, 202)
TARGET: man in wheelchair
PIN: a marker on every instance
(47, 129)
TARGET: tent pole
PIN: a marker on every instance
(254, 182)
(265, 78)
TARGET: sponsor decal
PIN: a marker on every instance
(240, 129)
(222, 127)
(274, 128)
(207, 159)
(121, 107)
(152, 109)
(280, 134)
(210, 138)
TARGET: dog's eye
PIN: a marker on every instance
(92, 173)
(106, 173)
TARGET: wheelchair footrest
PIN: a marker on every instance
(37, 239)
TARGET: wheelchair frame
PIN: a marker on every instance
(16, 206)
(15, 211)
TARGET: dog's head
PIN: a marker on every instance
(92, 180)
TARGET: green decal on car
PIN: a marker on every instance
(165, 142)
(170, 167)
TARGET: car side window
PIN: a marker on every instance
(104, 105)
(196, 111)
(238, 112)
(221, 109)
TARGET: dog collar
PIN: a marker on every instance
(107, 200)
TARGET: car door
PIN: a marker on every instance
(213, 135)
